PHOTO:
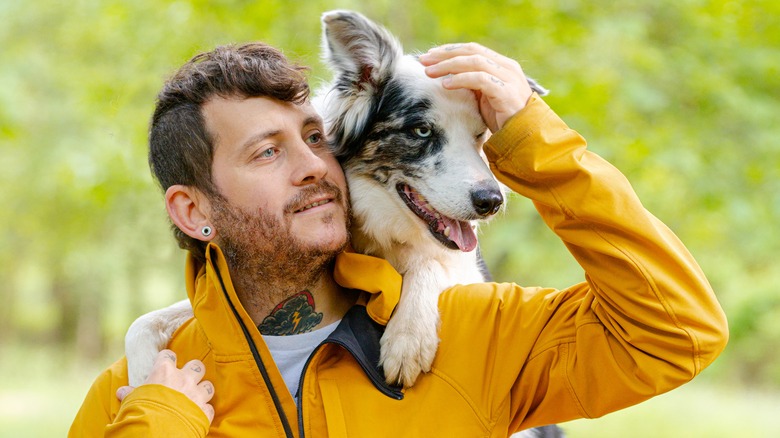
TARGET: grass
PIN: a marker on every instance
(41, 389)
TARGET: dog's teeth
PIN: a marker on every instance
(447, 232)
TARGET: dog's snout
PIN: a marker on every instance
(487, 200)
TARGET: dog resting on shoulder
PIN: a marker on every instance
(411, 153)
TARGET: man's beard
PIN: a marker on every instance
(267, 262)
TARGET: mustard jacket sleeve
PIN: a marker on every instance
(150, 410)
(645, 321)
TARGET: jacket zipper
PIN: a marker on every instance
(259, 362)
(299, 392)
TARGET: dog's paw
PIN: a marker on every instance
(405, 354)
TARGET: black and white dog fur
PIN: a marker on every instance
(419, 184)
(411, 152)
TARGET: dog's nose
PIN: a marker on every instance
(487, 201)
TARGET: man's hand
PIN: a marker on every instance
(186, 380)
(498, 82)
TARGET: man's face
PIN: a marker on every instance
(273, 169)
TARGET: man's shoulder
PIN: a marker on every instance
(103, 389)
(116, 372)
(190, 339)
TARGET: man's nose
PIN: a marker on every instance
(310, 167)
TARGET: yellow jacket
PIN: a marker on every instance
(510, 358)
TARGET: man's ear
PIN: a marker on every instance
(189, 209)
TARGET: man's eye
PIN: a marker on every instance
(315, 138)
(267, 153)
(422, 131)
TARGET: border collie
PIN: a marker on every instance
(419, 185)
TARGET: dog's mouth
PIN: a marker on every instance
(454, 234)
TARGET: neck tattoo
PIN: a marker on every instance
(292, 316)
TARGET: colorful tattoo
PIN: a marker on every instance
(292, 316)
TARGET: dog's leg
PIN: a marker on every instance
(148, 335)
(411, 338)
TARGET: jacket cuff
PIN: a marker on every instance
(520, 130)
(156, 410)
(534, 145)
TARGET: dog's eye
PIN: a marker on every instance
(422, 132)
(480, 135)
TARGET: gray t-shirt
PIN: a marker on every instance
(290, 353)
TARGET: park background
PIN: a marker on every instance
(681, 95)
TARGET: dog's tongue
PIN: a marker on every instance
(461, 233)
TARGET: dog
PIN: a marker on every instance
(418, 182)
(419, 185)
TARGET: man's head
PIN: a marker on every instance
(237, 147)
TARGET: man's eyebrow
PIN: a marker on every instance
(257, 138)
(315, 120)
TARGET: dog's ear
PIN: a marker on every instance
(362, 56)
(358, 49)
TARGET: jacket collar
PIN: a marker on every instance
(212, 295)
(363, 325)
(216, 306)
(359, 334)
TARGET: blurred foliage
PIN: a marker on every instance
(680, 95)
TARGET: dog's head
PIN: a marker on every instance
(401, 135)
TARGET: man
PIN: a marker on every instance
(262, 207)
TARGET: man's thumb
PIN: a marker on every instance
(122, 392)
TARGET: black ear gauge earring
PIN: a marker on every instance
(206, 231)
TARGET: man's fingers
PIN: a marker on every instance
(450, 51)
(459, 49)
(122, 392)
(209, 411)
(478, 68)
(498, 81)
(206, 389)
(165, 356)
(464, 64)
(188, 380)
(488, 84)
(195, 368)
(499, 94)
(164, 364)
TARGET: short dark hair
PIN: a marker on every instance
(181, 149)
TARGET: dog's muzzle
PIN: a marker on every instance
(487, 198)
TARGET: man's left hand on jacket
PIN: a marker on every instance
(188, 380)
